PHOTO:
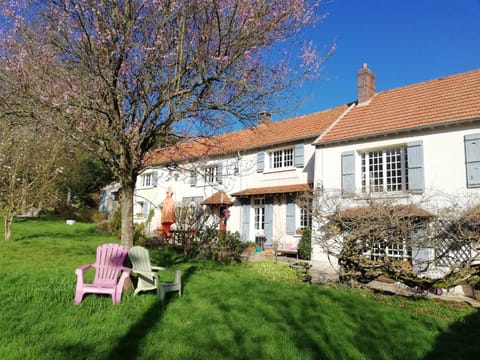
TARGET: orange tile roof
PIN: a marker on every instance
(263, 135)
(281, 189)
(220, 197)
(431, 103)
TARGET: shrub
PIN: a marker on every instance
(90, 215)
(116, 223)
(228, 247)
(305, 245)
(67, 212)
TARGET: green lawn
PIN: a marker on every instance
(226, 312)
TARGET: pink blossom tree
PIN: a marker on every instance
(123, 76)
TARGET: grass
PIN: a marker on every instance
(226, 312)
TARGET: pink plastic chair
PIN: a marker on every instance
(110, 274)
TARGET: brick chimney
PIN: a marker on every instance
(264, 117)
(366, 84)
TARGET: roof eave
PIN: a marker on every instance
(396, 132)
(246, 149)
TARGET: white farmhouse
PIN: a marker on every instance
(257, 173)
(421, 140)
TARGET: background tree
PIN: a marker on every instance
(31, 170)
(122, 76)
(84, 179)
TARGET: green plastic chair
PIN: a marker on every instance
(149, 276)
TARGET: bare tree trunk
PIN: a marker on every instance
(127, 216)
(126, 203)
(24, 202)
(8, 219)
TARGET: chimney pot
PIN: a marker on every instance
(366, 84)
(264, 117)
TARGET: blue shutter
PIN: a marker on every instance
(220, 173)
(421, 258)
(102, 202)
(348, 172)
(193, 178)
(416, 182)
(291, 215)
(145, 209)
(260, 161)
(245, 219)
(268, 221)
(155, 179)
(472, 160)
(299, 155)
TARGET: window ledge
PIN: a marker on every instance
(382, 195)
(289, 169)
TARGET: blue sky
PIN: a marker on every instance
(402, 41)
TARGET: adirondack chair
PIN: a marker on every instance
(110, 274)
(148, 275)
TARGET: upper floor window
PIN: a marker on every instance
(282, 158)
(212, 174)
(384, 170)
(393, 169)
(287, 158)
(146, 180)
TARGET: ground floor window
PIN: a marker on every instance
(305, 216)
(380, 249)
(259, 213)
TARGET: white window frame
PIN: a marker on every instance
(384, 170)
(281, 159)
(139, 209)
(210, 174)
(258, 205)
(395, 252)
(304, 217)
(146, 180)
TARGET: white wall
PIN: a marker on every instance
(444, 168)
(247, 177)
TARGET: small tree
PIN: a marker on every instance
(305, 244)
(196, 229)
(31, 171)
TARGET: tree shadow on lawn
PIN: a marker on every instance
(128, 346)
(460, 341)
(351, 328)
(71, 234)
